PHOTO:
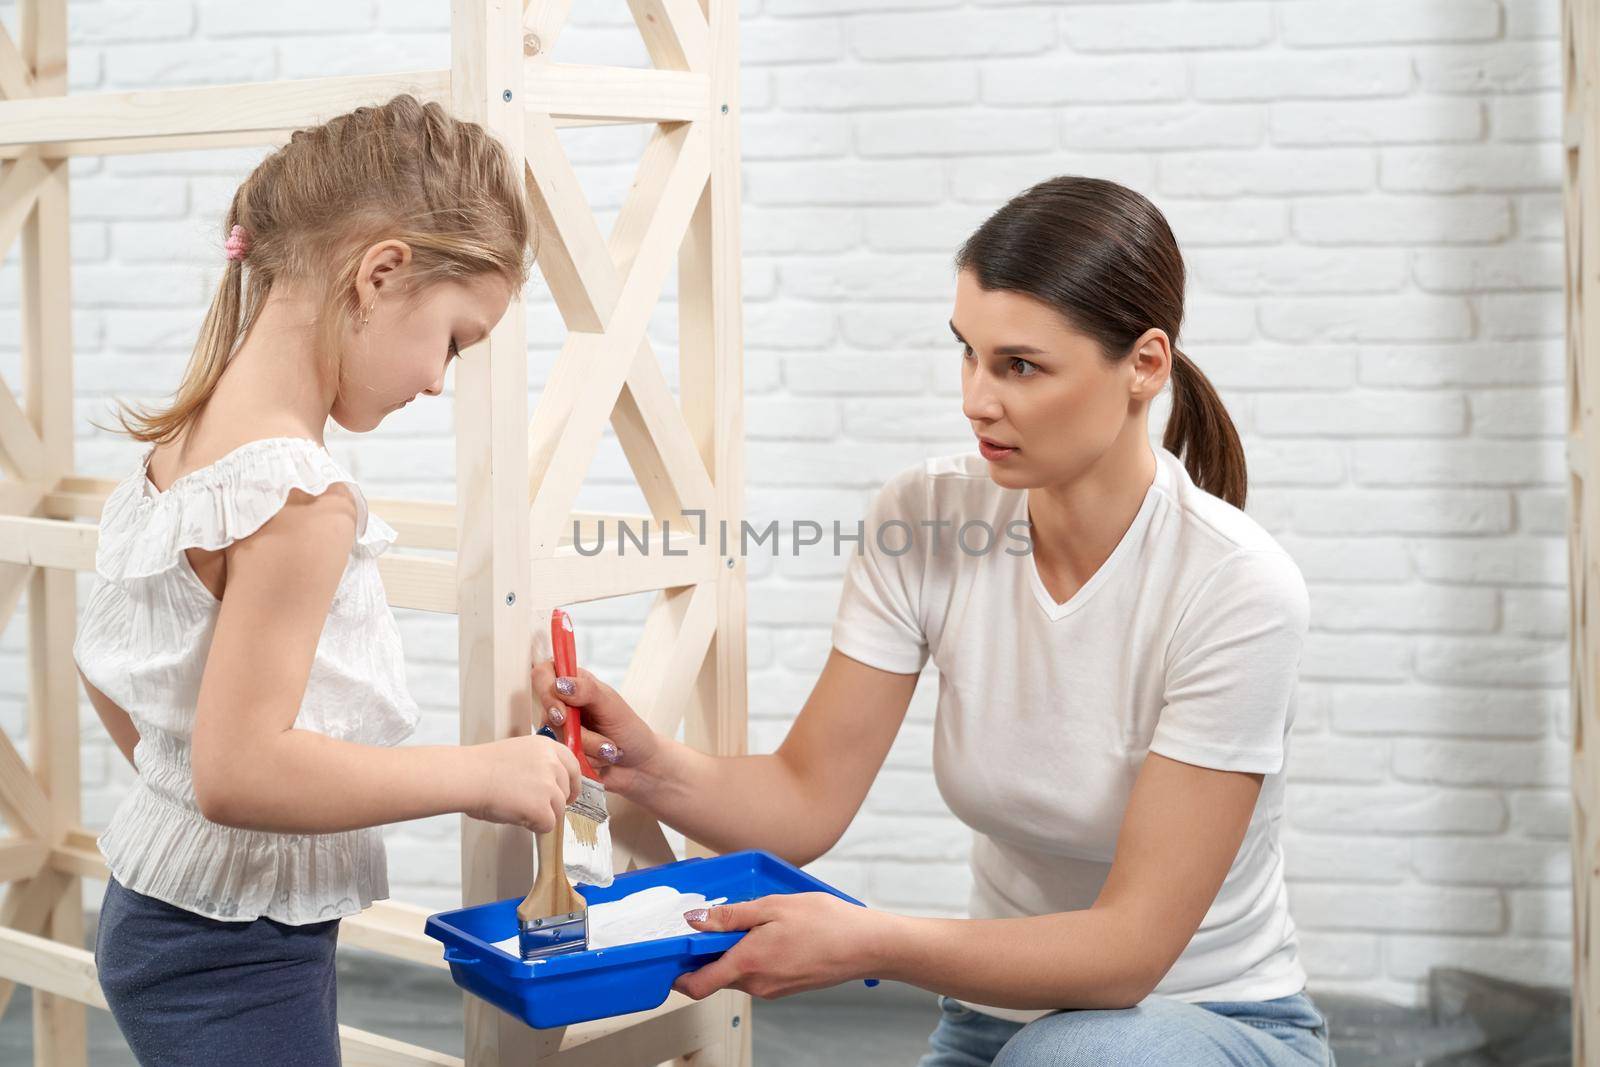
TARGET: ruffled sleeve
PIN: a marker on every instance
(143, 533)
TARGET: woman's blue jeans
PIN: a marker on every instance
(1284, 1032)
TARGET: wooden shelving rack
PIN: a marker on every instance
(517, 479)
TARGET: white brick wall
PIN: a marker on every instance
(1367, 195)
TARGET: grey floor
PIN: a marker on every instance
(1471, 1021)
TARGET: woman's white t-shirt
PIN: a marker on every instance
(1185, 642)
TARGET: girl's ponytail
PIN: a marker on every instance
(219, 335)
(1200, 433)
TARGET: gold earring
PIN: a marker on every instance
(365, 312)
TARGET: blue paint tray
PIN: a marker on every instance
(599, 983)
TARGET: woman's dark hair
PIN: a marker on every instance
(1104, 258)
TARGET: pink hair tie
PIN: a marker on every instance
(238, 243)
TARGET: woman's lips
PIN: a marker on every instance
(993, 451)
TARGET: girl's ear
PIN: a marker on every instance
(382, 263)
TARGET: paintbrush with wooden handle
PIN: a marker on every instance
(553, 918)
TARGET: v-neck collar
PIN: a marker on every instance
(1161, 483)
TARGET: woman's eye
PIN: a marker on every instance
(966, 351)
(454, 351)
(1018, 365)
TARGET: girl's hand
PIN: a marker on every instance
(797, 941)
(523, 781)
(617, 741)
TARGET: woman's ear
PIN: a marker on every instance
(1152, 365)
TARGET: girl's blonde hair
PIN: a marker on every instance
(403, 170)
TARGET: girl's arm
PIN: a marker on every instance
(1177, 841)
(116, 721)
(254, 770)
(795, 802)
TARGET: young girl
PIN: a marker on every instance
(238, 644)
(1114, 708)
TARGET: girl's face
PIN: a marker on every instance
(1043, 401)
(409, 341)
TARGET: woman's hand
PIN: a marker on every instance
(523, 781)
(617, 741)
(797, 941)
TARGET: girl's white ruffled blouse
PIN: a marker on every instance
(142, 641)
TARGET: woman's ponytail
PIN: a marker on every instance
(1200, 432)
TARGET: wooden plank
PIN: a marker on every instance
(420, 582)
(394, 929)
(598, 94)
(77, 854)
(16, 78)
(358, 1048)
(544, 20)
(22, 454)
(19, 191)
(127, 146)
(572, 253)
(659, 448)
(583, 93)
(429, 524)
(22, 798)
(674, 33)
(22, 857)
(566, 578)
(21, 498)
(679, 1027)
(49, 966)
(260, 107)
(13, 580)
(423, 583)
(677, 634)
(47, 542)
(667, 660)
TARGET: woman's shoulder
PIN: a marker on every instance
(1222, 558)
(1207, 518)
(943, 484)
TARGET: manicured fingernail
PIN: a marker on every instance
(557, 716)
(698, 915)
(566, 686)
(610, 753)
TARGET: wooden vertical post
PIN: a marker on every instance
(59, 1023)
(711, 376)
(1581, 188)
(492, 571)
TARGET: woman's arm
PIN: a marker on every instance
(117, 722)
(807, 791)
(1178, 838)
(253, 769)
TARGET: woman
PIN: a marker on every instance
(1114, 707)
